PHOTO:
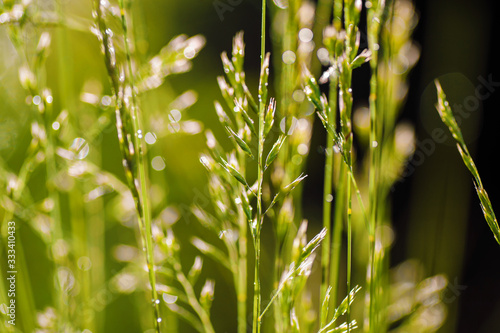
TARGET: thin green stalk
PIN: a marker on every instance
(351, 17)
(336, 244)
(241, 278)
(140, 158)
(347, 95)
(242, 275)
(349, 250)
(330, 263)
(327, 209)
(256, 299)
(140, 199)
(374, 171)
(373, 199)
(259, 220)
(260, 178)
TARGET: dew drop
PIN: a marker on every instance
(150, 138)
(65, 279)
(84, 263)
(56, 125)
(106, 100)
(175, 116)
(302, 149)
(298, 96)
(305, 35)
(323, 56)
(37, 100)
(289, 57)
(329, 198)
(374, 144)
(169, 299)
(158, 163)
(80, 147)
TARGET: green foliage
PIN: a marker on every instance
(108, 234)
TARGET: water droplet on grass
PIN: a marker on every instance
(302, 149)
(169, 299)
(158, 163)
(106, 100)
(37, 100)
(175, 116)
(150, 138)
(80, 147)
(305, 35)
(84, 263)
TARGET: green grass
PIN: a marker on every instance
(92, 188)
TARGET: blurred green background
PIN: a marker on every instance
(437, 218)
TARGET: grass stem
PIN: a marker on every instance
(143, 179)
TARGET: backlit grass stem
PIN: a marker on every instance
(257, 321)
(374, 27)
(131, 148)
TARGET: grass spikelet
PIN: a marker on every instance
(446, 114)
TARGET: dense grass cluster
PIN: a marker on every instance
(251, 225)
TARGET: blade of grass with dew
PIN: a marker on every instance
(132, 150)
